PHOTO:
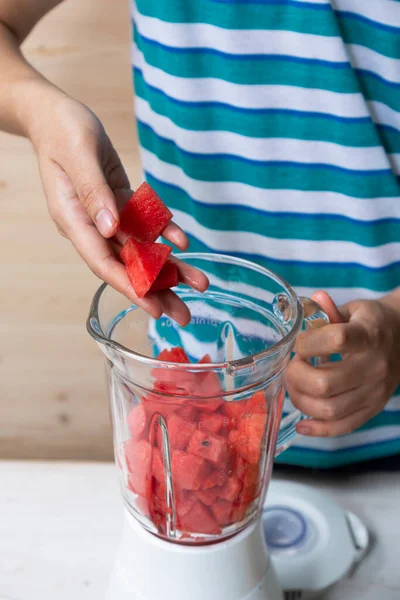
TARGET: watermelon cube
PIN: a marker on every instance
(223, 512)
(209, 446)
(184, 501)
(258, 403)
(189, 471)
(190, 414)
(211, 422)
(199, 520)
(167, 278)
(252, 435)
(179, 431)
(208, 497)
(231, 489)
(235, 410)
(217, 477)
(176, 355)
(138, 422)
(239, 512)
(143, 262)
(139, 462)
(144, 216)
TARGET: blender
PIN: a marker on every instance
(197, 421)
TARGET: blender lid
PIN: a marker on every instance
(313, 542)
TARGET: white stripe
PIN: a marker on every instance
(384, 115)
(280, 201)
(263, 149)
(343, 295)
(296, 250)
(251, 96)
(385, 12)
(242, 41)
(365, 58)
(359, 438)
(393, 404)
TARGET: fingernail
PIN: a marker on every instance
(105, 222)
(303, 429)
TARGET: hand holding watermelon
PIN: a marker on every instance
(86, 187)
(151, 271)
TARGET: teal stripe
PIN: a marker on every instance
(379, 91)
(242, 16)
(390, 139)
(364, 33)
(277, 225)
(247, 70)
(317, 276)
(310, 458)
(384, 419)
(285, 124)
(267, 176)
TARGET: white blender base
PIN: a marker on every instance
(148, 568)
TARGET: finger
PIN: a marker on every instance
(174, 307)
(97, 253)
(340, 338)
(325, 381)
(174, 234)
(89, 180)
(328, 306)
(315, 428)
(191, 276)
(332, 409)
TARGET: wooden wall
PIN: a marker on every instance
(52, 394)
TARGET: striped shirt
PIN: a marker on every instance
(271, 128)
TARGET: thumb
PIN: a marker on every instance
(94, 193)
(328, 306)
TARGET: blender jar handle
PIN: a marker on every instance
(314, 316)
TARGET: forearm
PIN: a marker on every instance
(22, 88)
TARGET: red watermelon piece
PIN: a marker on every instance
(189, 413)
(179, 431)
(217, 477)
(184, 501)
(139, 461)
(212, 422)
(257, 403)
(235, 410)
(176, 355)
(144, 216)
(231, 489)
(252, 435)
(209, 446)
(208, 497)
(138, 422)
(167, 277)
(143, 262)
(239, 512)
(199, 520)
(223, 512)
(189, 471)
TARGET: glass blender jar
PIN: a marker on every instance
(197, 423)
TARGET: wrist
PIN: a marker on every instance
(34, 98)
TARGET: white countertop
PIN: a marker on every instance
(60, 525)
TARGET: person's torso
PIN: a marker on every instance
(272, 131)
